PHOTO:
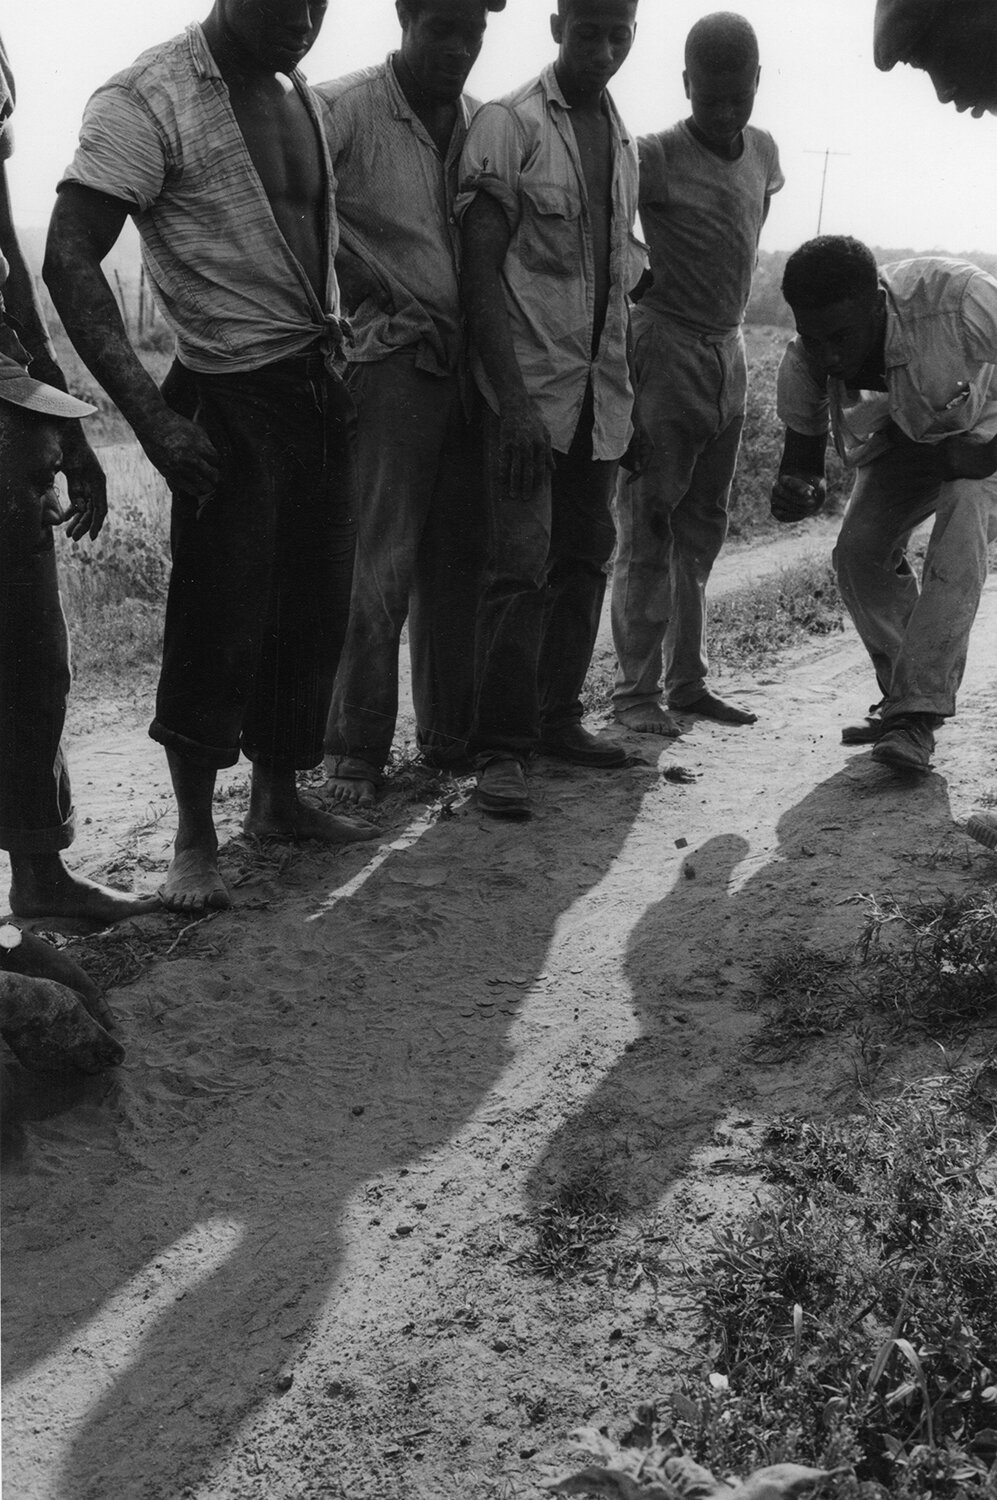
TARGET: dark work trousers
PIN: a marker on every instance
(420, 530)
(260, 588)
(36, 805)
(544, 586)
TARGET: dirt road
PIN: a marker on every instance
(287, 1250)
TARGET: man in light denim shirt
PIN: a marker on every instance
(549, 175)
(900, 364)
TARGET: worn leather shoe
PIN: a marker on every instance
(869, 730)
(502, 787)
(906, 742)
(573, 742)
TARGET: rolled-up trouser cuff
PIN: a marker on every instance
(211, 757)
(39, 840)
(350, 768)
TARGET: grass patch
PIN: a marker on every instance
(785, 609)
(933, 965)
(750, 626)
(571, 1226)
(851, 1322)
(806, 998)
(114, 588)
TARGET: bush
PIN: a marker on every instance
(761, 445)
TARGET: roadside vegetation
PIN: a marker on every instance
(848, 1323)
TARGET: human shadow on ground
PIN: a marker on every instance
(170, 1248)
(694, 959)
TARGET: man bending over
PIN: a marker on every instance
(900, 363)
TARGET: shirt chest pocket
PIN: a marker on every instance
(936, 417)
(550, 231)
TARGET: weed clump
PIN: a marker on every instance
(942, 979)
(575, 1220)
(749, 625)
(853, 1319)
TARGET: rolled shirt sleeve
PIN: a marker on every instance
(801, 400)
(121, 150)
(492, 162)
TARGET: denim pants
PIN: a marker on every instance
(544, 586)
(36, 805)
(917, 637)
(672, 518)
(420, 530)
(260, 588)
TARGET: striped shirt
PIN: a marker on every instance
(395, 198)
(162, 137)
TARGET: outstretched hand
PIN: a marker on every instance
(795, 497)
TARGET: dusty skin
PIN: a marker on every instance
(649, 718)
(284, 1250)
(41, 886)
(352, 791)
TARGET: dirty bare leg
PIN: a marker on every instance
(193, 882)
(41, 886)
(276, 811)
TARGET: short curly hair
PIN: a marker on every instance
(722, 42)
(831, 268)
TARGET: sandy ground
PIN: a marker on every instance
(285, 1250)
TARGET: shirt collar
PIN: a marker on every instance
(400, 107)
(551, 87)
(553, 95)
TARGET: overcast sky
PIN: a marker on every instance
(913, 173)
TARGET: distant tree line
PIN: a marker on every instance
(766, 305)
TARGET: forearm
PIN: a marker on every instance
(491, 334)
(486, 242)
(86, 305)
(90, 315)
(803, 453)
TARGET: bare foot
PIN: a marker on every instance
(50, 1030)
(649, 719)
(193, 883)
(296, 819)
(350, 790)
(43, 887)
(709, 706)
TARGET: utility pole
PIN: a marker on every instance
(823, 180)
